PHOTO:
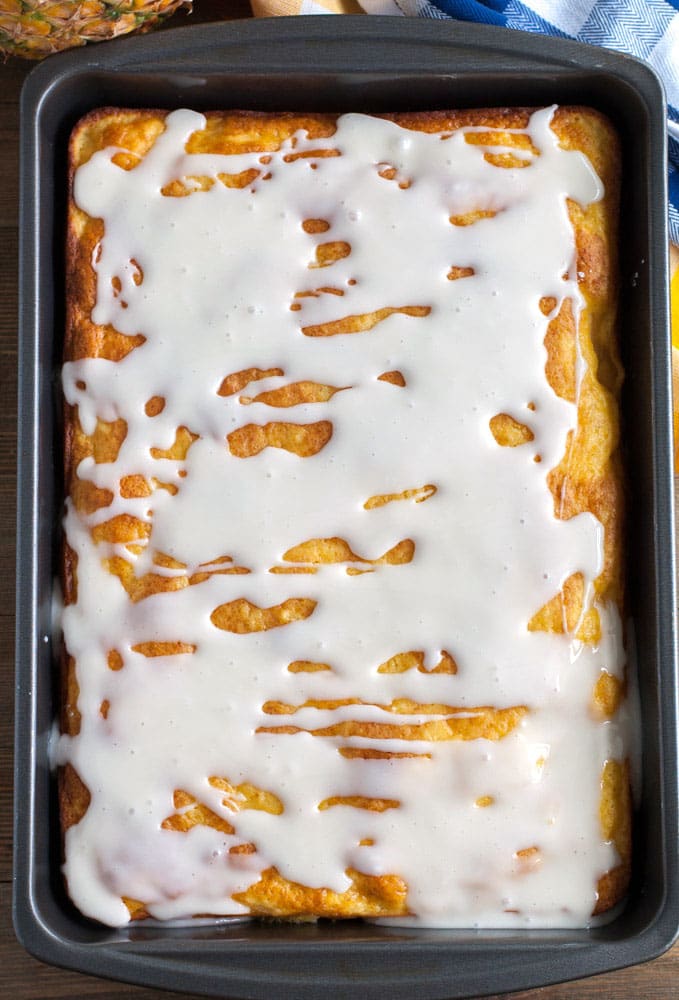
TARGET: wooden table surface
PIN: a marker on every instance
(21, 977)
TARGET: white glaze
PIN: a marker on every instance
(220, 271)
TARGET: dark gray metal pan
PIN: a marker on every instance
(359, 64)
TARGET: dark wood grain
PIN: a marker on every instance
(21, 977)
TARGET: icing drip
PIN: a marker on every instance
(439, 542)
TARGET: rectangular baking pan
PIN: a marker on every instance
(346, 64)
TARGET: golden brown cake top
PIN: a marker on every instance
(345, 516)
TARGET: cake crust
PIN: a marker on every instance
(587, 480)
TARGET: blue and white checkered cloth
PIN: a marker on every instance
(648, 29)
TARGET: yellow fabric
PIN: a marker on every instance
(674, 272)
(674, 301)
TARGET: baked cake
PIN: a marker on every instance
(343, 565)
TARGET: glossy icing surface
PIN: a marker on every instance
(439, 542)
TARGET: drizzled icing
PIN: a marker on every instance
(209, 279)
